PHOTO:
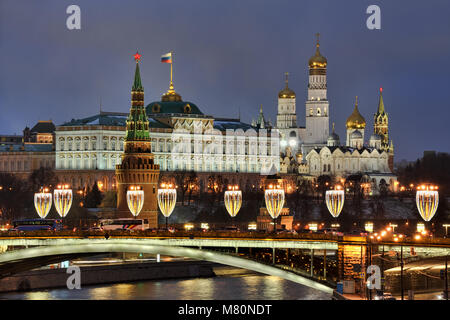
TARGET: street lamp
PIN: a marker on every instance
(369, 227)
(427, 201)
(274, 197)
(233, 201)
(446, 225)
(335, 201)
(63, 199)
(167, 198)
(43, 202)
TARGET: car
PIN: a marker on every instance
(385, 296)
(358, 232)
(332, 231)
(287, 231)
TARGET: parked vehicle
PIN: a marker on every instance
(37, 224)
(385, 296)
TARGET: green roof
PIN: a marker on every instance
(381, 104)
(102, 119)
(153, 123)
(172, 107)
(137, 85)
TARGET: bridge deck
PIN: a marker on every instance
(181, 242)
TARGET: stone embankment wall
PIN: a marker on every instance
(92, 275)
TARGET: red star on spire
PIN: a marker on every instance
(137, 56)
(381, 89)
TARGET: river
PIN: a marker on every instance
(229, 284)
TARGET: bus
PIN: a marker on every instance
(124, 224)
(37, 224)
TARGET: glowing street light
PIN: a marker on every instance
(335, 201)
(135, 200)
(274, 197)
(427, 201)
(63, 199)
(369, 227)
(167, 198)
(421, 227)
(43, 202)
(233, 200)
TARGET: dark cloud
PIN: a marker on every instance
(229, 55)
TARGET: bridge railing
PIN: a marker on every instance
(167, 234)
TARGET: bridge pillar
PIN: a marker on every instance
(353, 259)
(273, 255)
(312, 262)
(237, 250)
(325, 263)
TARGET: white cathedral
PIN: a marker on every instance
(312, 151)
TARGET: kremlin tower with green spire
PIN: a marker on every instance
(138, 167)
(381, 128)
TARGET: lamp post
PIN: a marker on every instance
(63, 197)
(167, 198)
(401, 272)
(43, 202)
(233, 201)
(135, 201)
(274, 197)
(335, 201)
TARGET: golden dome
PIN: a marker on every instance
(171, 95)
(356, 120)
(286, 93)
(317, 60)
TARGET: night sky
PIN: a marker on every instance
(229, 55)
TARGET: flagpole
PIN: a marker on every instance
(171, 70)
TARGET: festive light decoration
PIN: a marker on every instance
(43, 202)
(233, 200)
(63, 200)
(335, 201)
(274, 197)
(167, 198)
(135, 200)
(427, 201)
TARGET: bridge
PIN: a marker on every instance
(33, 249)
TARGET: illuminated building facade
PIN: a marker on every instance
(311, 151)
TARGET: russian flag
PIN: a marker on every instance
(167, 58)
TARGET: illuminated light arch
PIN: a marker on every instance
(109, 246)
